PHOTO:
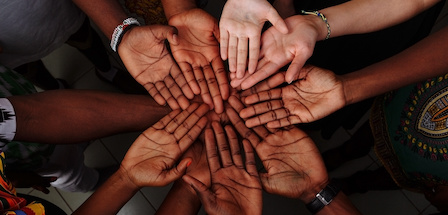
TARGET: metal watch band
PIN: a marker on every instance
(324, 197)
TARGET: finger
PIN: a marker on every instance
(190, 122)
(155, 94)
(163, 89)
(264, 96)
(241, 128)
(174, 173)
(42, 189)
(261, 108)
(223, 43)
(176, 92)
(265, 85)
(212, 154)
(181, 82)
(188, 73)
(267, 117)
(180, 118)
(233, 44)
(254, 51)
(213, 87)
(171, 35)
(162, 123)
(192, 134)
(241, 57)
(260, 75)
(251, 166)
(221, 77)
(291, 120)
(237, 105)
(205, 93)
(234, 147)
(223, 145)
(205, 195)
(277, 21)
(292, 73)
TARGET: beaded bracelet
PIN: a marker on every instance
(120, 30)
(321, 15)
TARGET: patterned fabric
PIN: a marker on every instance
(20, 155)
(10, 203)
(411, 130)
(7, 122)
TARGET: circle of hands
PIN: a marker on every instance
(200, 141)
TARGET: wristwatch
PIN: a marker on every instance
(324, 197)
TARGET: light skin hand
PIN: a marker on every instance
(240, 26)
(152, 158)
(146, 57)
(236, 187)
(277, 50)
(316, 94)
(293, 163)
(197, 54)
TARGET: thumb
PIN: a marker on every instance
(277, 21)
(294, 68)
(178, 171)
(204, 194)
(171, 35)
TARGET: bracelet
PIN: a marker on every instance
(324, 197)
(120, 30)
(321, 15)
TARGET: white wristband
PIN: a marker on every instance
(119, 32)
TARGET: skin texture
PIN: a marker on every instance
(235, 187)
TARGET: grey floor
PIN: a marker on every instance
(69, 64)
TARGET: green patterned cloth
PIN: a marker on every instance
(21, 155)
(410, 126)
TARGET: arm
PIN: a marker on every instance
(52, 116)
(352, 17)
(426, 59)
(154, 159)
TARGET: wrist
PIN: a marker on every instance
(171, 9)
(324, 197)
(311, 192)
(320, 23)
(123, 177)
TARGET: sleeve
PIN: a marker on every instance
(7, 122)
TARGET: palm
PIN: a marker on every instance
(145, 54)
(290, 155)
(232, 197)
(197, 54)
(316, 95)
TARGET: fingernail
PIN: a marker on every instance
(189, 163)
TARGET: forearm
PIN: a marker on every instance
(181, 199)
(173, 7)
(71, 116)
(363, 16)
(426, 59)
(110, 197)
(107, 14)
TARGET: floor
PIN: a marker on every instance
(69, 64)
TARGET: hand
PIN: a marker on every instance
(152, 159)
(236, 187)
(197, 54)
(438, 198)
(240, 27)
(293, 163)
(148, 60)
(277, 50)
(199, 166)
(316, 94)
(30, 179)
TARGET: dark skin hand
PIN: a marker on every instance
(438, 198)
(197, 54)
(26, 179)
(293, 163)
(146, 57)
(236, 187)
(316, 94)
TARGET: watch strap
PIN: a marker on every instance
(324, 197)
